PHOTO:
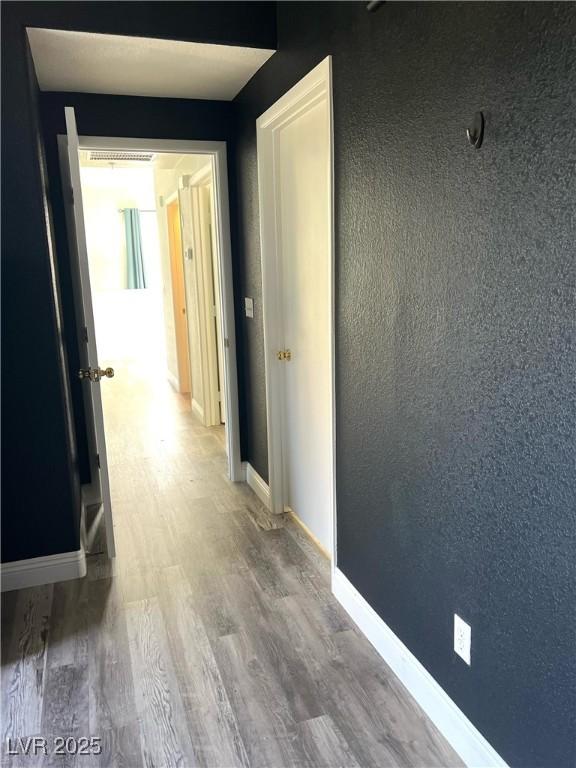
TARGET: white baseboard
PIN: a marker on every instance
(317, 543)
(174, 383)
(198, 410)
(91, 494)
(465, 739)
(258, 485)
(43, 570)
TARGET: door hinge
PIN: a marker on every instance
(98, 460)
(226, 343)
(71, 196)
(85, 334)
(214, 310)
(219, 397)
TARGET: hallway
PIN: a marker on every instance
(211, 640)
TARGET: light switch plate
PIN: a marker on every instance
(249, 307)
(462, 638)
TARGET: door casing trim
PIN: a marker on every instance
(217, 150)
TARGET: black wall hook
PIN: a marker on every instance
(476, 135)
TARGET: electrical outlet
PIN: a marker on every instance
(462, 638)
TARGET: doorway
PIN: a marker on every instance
(295, 189)
(133, 292)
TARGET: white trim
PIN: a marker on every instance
(90, 494)
(151, 145)
(173, 380)
(218, 152)
(452, 723)
(198, 410)
(170, 199)
(334, 553)
(43, 570)
(315, 86)
(200, 178)
(257, 483)
(309, 533)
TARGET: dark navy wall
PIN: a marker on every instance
(40, 495)
(226, 23)
(455, 339)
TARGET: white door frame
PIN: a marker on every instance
(314, 87)
(216, 150)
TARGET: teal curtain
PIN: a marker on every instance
(134, 257)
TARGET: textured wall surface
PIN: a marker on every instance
(456, 333)
(40, 495)
(226, 23)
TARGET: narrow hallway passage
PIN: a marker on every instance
(211, 640)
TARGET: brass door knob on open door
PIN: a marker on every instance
(95, 374)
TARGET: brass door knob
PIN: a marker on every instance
(95, 374)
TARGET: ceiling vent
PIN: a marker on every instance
(121, 157)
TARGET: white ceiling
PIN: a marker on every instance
(141, 66)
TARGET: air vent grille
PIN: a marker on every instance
(113, 156)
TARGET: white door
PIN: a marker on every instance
(193, 310)
(218, 318)
(201, 301)
(72, 190)
(203, 218)
(294, 159)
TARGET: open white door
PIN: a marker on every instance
(294, 139)
(202, 310)
(90, 370)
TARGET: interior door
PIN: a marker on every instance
(178, 296)
(201, 202)
(200, 301)
(303, 211)
(295, 192)
(193, 311)
(72, 191)
(218, 318)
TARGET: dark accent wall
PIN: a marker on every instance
(455, 338)
(226, 23)
(40, 494)
(43, 434)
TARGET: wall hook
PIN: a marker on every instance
(476, 135)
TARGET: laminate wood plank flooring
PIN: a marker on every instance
(212, 640)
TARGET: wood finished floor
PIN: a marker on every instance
(210, 640)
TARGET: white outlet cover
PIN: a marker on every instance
(249, 307)
(462, 638)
